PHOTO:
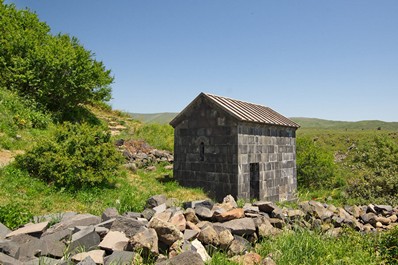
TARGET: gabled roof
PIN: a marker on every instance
(242, 111)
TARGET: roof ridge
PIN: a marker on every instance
(247, 102)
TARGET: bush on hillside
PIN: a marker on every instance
(315, 165)
(55, 71)
(377, 171)
(160, 136)
(77, 156)
(388, 246)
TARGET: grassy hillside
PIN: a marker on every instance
(160, 118)
(345, 125)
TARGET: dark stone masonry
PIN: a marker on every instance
(233, 147)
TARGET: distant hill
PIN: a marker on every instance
(352, 125)
(166, 117)
(161, 118)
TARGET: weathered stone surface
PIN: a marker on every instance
(265, 229)
(238, 246)
(148, 213)
(249, 208)
(247, 259)
(229, 215)
(193, 204)
(209, 236)
(160, 208)
(29, 229)
(167, 233)
(369, 218)
(10, 248)
(295, 214)
(178, 219)
(383, 208)
(147, 241)
(225, 238)
(164, 216)
(200, 249)
(383, 220)
(128, 226)
(156, 201)
(114, 240)
(190, 216)
(189, 234)
(266, 207)
(96, 255)
(76, 220)
(243, 226)
(203, 212)
(393, 218)
(120, 258)
(109, 213)
(188, 257)
(86, 238)
(87, 261)
(7, 260)
(4, 231)
(41, 247)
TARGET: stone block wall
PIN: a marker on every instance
(267, 155)
(214, 168)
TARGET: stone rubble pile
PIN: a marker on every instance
(188, 234)
(139, 154)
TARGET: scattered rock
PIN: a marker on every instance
(229, 215)
(146, 241)
(167, 233)
(209, 236)
(243, 226)
(114, 240)
(109, 214)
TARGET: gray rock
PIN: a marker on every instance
(226, 238)
(109, 213)
(114, 240)
(243, 226)
(4, 231)
(266, 207)
(10, 248)
(188, 257)
(45, 260)
(107, 224)
(238, 246)
(146, 241)
(87, 261)
(148, 213)
(167, 233)
(193, 204)
(86, 238)
(160, 208)
(156, 200)
(203, 212)
(190, 234)
(209, 236)
(128, 226)
(41, 247)
(369, 218)
(29, 229)
(76, 220)
(7, 260)
(120, 258)
(383, 209)
(178, 219)
(190, 216)
(249, 208)
(200, 249)
(133, 215)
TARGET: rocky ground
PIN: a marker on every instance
(185, 234)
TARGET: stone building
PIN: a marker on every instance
(228, 146)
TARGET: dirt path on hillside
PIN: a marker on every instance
(7, 156)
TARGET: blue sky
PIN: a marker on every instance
(334, 60)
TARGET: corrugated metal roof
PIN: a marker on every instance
(250, 112)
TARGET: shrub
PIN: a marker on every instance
(160, 136)
(377, 167)
(388, 246)
(76, 156)
(14, 215)
(315, 165)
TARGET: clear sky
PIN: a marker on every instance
(334, 59)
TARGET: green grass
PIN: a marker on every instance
(129, 194)
(304, 247)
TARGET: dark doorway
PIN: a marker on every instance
(255, 181)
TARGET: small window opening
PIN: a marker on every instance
(202, 151)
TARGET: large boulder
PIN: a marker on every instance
(243, 226)
(146, 241)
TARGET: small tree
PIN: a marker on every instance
(77, 156)
(315, 166)
(55, 71)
